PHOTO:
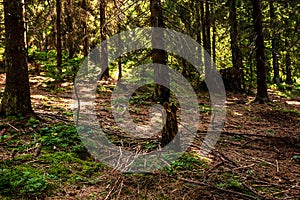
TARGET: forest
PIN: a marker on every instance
(158, 99)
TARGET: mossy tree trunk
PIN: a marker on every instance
(16, 99)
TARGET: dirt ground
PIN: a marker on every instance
(256, 157)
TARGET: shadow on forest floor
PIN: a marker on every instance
(256, 157)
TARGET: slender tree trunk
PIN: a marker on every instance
(205, 20)
(16, 99)
(235, 49)
(120, 57)
(162, 94)
(214, 39)
(69, 27)
(276, 78)
(104, 58)
(85, 29)
(288, 63)
(207, 27)
(262, 93)
(198, 28)
(203, 26)
(204, 37)
(58, 35)
(25, 26)
(198, 21)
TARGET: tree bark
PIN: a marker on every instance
(235, 82)
(120, 57)
(207, 27)
(16, 99)
(85, 30)
(205, 20)
(69, 27)
(214, 40)
(262, 93)
(276, 77)
(104, 58)
(162, 94)
(203, 24)
(288, 66)
(58, 35)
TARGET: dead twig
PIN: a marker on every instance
(109, 193)
(13, 127)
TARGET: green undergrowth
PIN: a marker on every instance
(62, 161)
(42, 160)
(285, 90)
(188, 164)
(47, 62)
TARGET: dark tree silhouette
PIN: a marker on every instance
(276, 78)
(58, 34)
(162, 93)
(262, 93)
(235, 79)
(16, 99)
(104, 58)
(85, 29)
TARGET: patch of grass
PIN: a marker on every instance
(23, 181)
(229, 180)
(150, 145)
(63, 161)
(294, 111)
(205, 108)
(287, 91)
(267, 189)
(58, 136)
(69, 167)
(187, 162)
(271, 132)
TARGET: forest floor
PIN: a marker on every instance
(256, 157)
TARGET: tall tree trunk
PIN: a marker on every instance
(120, 57)
(262, 93)
(205, 20)
(203, 26)
(162, 94)
(25, 25)
(85, 29)
(214, 37)
(204, 36)
(288, 63)
(207, 27)
(58, 35)
(16, 99)
(235, 83)
(104, 58)
(69, 27)
(276, 78)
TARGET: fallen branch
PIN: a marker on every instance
(13, 127)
